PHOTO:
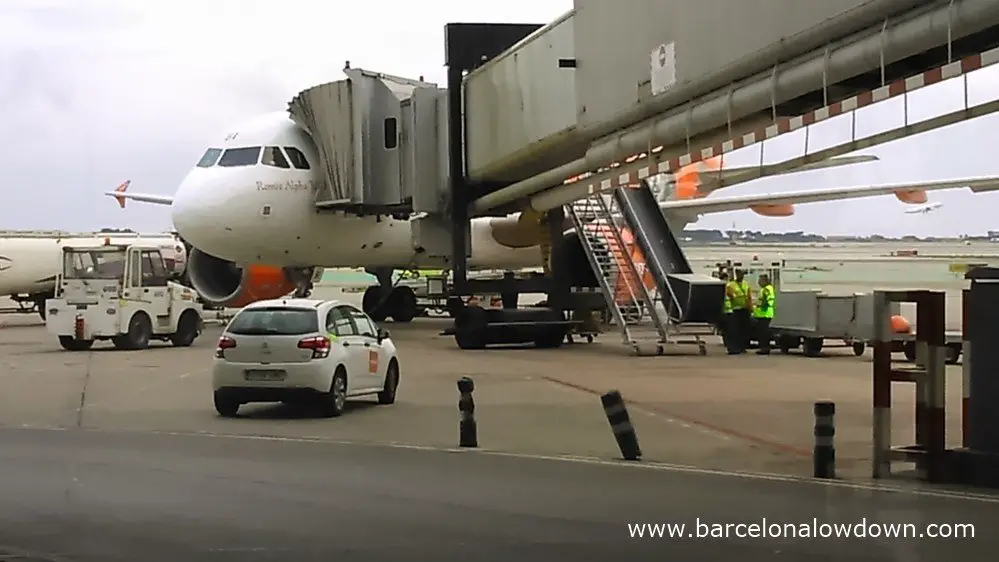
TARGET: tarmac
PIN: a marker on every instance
(111, 496)
(723, 438)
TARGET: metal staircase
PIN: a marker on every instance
(637, 311)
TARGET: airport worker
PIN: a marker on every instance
(741, 300)
(726, 319)
(763, 313)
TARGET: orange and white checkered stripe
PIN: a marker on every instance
(783, 125)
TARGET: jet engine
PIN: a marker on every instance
(778, 210)
(223, 283)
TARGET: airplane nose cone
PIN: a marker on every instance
(194, 212)
(184, 210)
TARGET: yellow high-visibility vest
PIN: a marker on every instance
(764, 306)
(738, 294)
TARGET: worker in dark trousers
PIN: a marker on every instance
(763, 313)
(726, 318)
(739, 295)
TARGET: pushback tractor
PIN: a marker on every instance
(120, 293)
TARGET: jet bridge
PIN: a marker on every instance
(381, 140)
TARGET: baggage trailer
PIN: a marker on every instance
(809, 319)
(906, 344)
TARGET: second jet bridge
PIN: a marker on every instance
(382, 142)
(639, 266)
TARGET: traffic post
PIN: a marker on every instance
(620, 422)
(467, 430)
(824, 453)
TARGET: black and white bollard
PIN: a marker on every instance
(467, 430)
(824, 453)
(624, 432)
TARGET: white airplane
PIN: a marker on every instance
(30, 260)
(925, 209)
(249, 202)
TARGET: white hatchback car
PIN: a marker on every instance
(303, 351)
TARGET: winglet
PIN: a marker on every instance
(122, 188)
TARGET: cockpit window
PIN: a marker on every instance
(298, 160)
(210, 157)
(274, 157)
(240, 157)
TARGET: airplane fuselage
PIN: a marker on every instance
(251, 213)
(279, 225)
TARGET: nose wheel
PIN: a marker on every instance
(304, 291)
(302, 278)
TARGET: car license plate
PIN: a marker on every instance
(265, 375)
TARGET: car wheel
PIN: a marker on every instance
(225, 405)
(387, 395)
(140, 329)
(335, 400)
(187, 330)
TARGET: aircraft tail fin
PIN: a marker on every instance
(122, 188)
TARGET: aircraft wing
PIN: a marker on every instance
(737, 202)
(710, 180)
(122, 196)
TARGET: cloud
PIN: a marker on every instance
(96, 92)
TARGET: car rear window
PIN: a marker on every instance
(277, 321)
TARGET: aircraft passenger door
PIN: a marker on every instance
(339, 322)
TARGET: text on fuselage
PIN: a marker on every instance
(290, 185)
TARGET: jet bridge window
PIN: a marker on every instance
(210, 157)
(298, 159)
(274, 157)
(234, 157)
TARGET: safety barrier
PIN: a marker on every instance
(620, 422)
(928, 453)
(824, 452)
(468, 431)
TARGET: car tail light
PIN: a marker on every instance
(320, 346)
(224, 344)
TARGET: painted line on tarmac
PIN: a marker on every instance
(646, 411)
(594, 461)
(132, 392)
(649, 408)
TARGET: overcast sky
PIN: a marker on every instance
(96, 92)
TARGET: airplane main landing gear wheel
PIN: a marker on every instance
(402, 305)
(373, 305)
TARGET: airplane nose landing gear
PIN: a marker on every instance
(301, 277)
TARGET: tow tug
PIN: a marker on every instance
(121, 293)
